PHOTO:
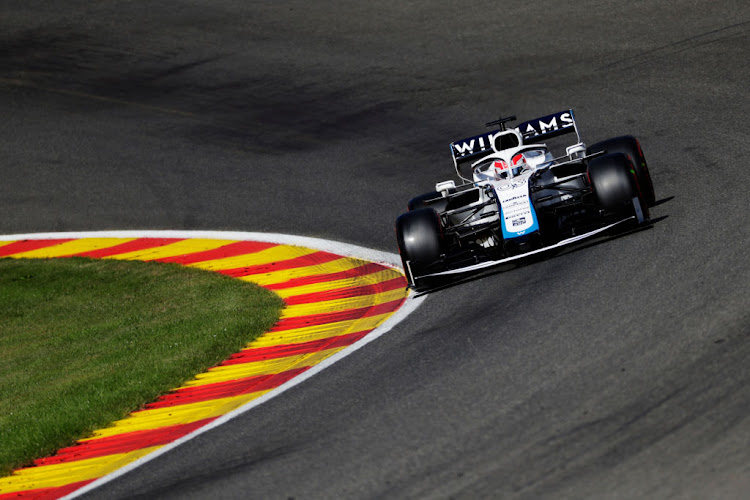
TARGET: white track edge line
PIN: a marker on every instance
(344, 249)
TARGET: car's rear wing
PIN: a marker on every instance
(533, 131)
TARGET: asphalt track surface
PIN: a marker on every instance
(619, 370)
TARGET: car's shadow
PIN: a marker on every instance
(443, 283)
(663, 200)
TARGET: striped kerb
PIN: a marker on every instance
(331, 302)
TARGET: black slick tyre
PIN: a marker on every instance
(613, 183)
(419, 237)
(629, 146)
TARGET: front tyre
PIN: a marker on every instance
(630, 147)
(615, 187)
(419, 237)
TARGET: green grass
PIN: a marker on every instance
(84, 342)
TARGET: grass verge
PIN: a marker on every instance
(84, 342)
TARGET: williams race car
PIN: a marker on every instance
(516, 199)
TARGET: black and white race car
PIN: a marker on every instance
(517, 199)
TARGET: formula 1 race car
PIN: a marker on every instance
(517, 199)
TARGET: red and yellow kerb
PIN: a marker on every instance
(332, 301)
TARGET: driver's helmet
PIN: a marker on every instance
(503, 170)
(500, 169)
(518, 163)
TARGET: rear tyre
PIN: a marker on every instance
(419, 237)
(630, 147)
(615, 187)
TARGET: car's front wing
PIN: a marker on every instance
(491, 263)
